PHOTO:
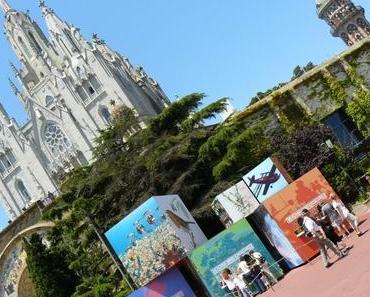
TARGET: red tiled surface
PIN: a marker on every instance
(349, 277)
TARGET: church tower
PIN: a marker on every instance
(346, 20)
(67, 85)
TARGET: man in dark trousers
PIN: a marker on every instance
(319, 236)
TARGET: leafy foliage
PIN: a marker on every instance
(302, 150)
(43, 263)
(175, 153)
(359, 110)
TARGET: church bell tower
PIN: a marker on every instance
(347, 20)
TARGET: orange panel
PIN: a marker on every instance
(286, 206)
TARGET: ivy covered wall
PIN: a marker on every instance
(341, 83)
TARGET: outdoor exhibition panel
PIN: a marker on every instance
(266, 227)
(286, 207)
(155, 237)
(171, 284)
(224, 251)
(267, 179)
(235, 204)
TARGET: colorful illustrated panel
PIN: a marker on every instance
(11, 271)
(286, 207)
(268, 226)
(170, 284)
(147, 242)
(266, 179)
(234, 204)
(182, 221)
(224, 251)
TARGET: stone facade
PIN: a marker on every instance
(68, 85)
(320, 94)
(13, 272)
(345, 19)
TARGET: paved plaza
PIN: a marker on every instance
(349, 277)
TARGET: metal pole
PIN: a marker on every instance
(112, 253)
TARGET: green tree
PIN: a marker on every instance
(48, 270)
(359, 110)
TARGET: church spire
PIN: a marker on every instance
(63, 34)
(5, 6)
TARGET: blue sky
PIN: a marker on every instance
(231, 48)
(124, 232)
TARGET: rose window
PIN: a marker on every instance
(57, 140)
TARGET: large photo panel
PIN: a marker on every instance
(224, 251)
(267, 179)
(234, 204)
(155, 237)
(286, 207)
(181, 220)
(170, 284)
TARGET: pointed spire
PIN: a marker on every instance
(14, 69)
(5, 6)
(14, 87)
(44, 8)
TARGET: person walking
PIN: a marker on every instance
(336, 220)
(345, 214)
(319, 236)
(329, 230)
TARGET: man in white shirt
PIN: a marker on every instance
(319, 236)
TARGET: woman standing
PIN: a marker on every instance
(236, 286)
(345, 214)
(251, 273)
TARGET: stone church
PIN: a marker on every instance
(69, 87)
(69, 84)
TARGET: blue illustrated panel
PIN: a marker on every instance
(265, 180)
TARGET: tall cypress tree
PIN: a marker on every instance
(48, 270)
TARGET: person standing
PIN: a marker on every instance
(236, 286)
(345, 214)
(329, 230)
(319, 236)
(250, 274)
(261, 261)
(336, 220)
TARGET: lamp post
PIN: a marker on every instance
(111, 253)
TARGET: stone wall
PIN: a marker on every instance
(29, 218)
(320, 91)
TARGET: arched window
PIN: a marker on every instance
(65, 46)
(49, 100)
(71, 41)
(24, 47)
(95, 83)
(353, 30)
(7, 162)
(106, 115)
(364, 25)
(35, 43)
(22, 190)
(56, 140)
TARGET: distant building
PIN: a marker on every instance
(68, 84)
(346, 20)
